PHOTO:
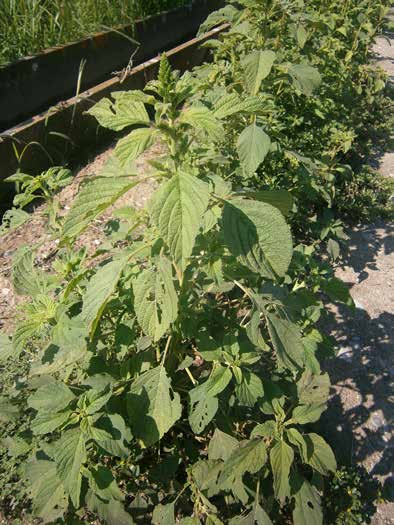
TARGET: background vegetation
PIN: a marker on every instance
(28, 26)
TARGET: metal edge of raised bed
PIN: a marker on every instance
(42, 138)
(32, 84)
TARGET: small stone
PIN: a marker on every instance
(97, 242)
(5, 291)
(359, 305)
(345, 353)
(355, 343)
(377, 421)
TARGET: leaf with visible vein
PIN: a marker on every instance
(248, 456)
(258, 235)
(253, 146)
(93, 199)
(286, 340)
(100, 288)
(119, 114)
(153, 406)
(257, 66)
(320, 456)
(155, 299)
(305, 78)
(134, 144)
(177, 210)
(50, 397)
(202, 413)
(281, 458)
(49, 499)
(70, 454)
(307, 510)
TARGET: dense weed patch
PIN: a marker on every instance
(175, 380)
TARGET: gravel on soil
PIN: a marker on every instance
(34, 230)
(362, 401)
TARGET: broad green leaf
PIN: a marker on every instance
(281, 458)
(96, 399)
(227, 105)
(296, 438)
(221, 445)
(115, 425)
(253, 146)
(307, 510)
(96, 196)
(205, 476)
(54, 396)
(134, 144)
(286, 340)
(320, 456)
(177, 210)
(13, 218)
(100, 288)
(103, 483)
(304, 414)
(164, 514)
(313, 389)
(110, 512)
(333, 249)
(253, 331)
(47, 492)
(16, 446)
(26, 279)
(256, 515)
(201, 117)
(257, 66)
(155, 299)
(202, 413)
(302, 36)
(225, 14)
(268, 429)
(119, 114)
(91, 431)
(250, 389)
(190, 520)
(70, 454)
(231, 103)
(281, 199)
(57, 359)
(8, 411)
(47, 422)
(153, 406)
(215, 384)
(305, 78)
(249, 456)
(337, 290)
(6, 347)
(257, 234)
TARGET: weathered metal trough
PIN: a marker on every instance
(49, 137)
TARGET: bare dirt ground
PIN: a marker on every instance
(35, 232)
(362, 375)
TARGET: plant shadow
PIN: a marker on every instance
(358, 421)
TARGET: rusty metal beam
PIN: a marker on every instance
(44, 135)
(33, 84)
